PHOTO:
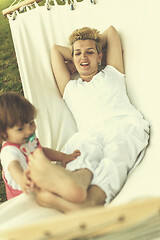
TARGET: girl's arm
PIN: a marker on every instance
(59, 56)
(19, 175)
(54, 155)
(111, 41)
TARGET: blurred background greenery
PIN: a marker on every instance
(9, 74)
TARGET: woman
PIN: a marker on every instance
(112, 133)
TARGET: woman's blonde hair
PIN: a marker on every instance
(84, 34)
(14, 110)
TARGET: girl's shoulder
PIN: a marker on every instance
(5, 144)
(9, 151)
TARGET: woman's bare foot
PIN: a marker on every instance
(95, 197)
(71, 186)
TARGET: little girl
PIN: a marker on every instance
(17, 132)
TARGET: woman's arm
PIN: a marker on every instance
(111, 41)
(59, 56)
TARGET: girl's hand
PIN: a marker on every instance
(27, 184)
(70, 157)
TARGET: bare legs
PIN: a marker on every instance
(59, 188)
(95, 197)
(71, 186)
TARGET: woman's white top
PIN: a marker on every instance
(93, 103)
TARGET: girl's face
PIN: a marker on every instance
(86, 58)
(19, 134)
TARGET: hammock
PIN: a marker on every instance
(34, 32)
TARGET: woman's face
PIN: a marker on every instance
(86, 58)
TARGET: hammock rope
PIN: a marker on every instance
(21, 5)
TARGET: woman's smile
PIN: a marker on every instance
(84, 64)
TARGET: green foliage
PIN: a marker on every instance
(2, 189)
(9, 75)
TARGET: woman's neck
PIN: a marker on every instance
(88, 78)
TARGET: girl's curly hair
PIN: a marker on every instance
(14, 110)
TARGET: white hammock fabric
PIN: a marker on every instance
(34, 33)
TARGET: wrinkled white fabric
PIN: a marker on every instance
(110, 152)
(93, 103)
